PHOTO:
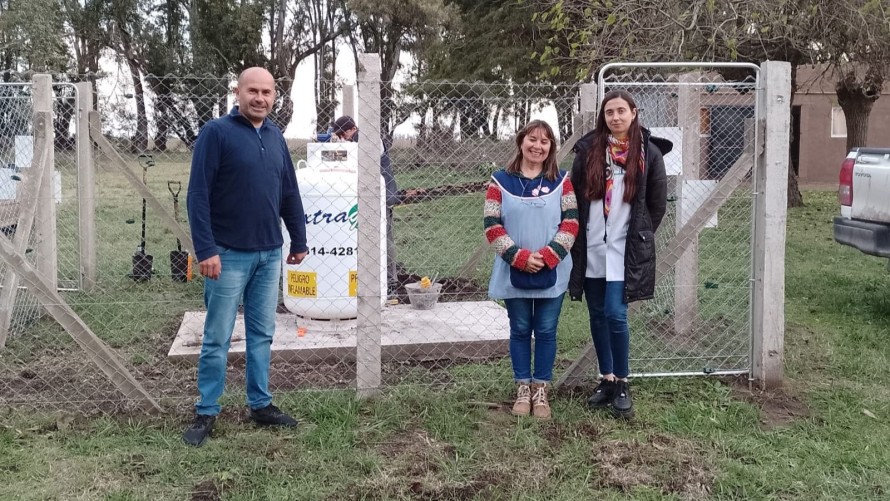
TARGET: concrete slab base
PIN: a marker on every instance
(477, 329)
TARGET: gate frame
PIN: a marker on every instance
(770, 172)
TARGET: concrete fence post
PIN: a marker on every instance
(686, 271)
(370, 316)
(770, 218)
(86, 187)
(46, 210)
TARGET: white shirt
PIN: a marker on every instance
(606, 238)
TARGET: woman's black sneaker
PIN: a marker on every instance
(623, 404)
(602, 395)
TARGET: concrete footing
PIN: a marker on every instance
(478, 329)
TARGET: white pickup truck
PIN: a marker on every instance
(864, 195)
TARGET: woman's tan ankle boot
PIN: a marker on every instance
(540, 405)
(523, 404)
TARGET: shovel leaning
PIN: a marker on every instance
(143, 262)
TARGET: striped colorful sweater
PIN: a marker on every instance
(506, 248)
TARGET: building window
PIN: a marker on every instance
(838, 123)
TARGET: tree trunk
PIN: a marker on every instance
(163, 121)
(325, 86)
(857, 99)
(795, 198)
(283, 110)
(857, 108)
(64, 114)
(139, 142)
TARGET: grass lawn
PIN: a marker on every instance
(823, 437)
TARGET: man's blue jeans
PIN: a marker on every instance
(539, 316)
(608, 325)
(253, 276)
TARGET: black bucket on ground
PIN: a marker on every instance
(179, 266)
(142, 266)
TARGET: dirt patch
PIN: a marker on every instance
(413, 444)
(413, 471)
(778, 408)
(674, 466)
(433, 372)
(139, 467)
(478, 488)
(293, 376)
(575, 391)
(55, 377)
(206, 491)
(419, 195)
(557, 433)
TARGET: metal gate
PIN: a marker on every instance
(16, 156)
(700, 321)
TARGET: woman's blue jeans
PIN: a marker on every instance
(527, 316)
(608, 325)
(253, 276)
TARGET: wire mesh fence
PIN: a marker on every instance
(17, 154)
(463, 132)
(442, 141)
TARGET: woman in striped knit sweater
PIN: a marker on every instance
(531, 219)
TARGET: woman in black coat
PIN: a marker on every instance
(620, 183)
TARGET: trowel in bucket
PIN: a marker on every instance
(180, 260)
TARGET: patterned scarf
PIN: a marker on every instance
(617, 152)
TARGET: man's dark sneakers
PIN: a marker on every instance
(623, 404)
(602, 395)
(272, 416)
(197, 432)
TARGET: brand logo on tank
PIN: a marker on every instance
(321, 217)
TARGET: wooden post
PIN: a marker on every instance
(46, 210)
(368, 371)
(27, 203)
(770, 218)
(349, 100)
(686, 272)
(86, 187)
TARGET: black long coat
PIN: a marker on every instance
(647, 210)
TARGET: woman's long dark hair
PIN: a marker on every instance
(596, 158)
(551, 168)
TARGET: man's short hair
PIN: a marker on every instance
(343, 124)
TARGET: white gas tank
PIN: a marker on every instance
(325, 284)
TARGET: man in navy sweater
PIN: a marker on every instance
(242, 184)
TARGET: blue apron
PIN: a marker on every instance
(531, 222)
